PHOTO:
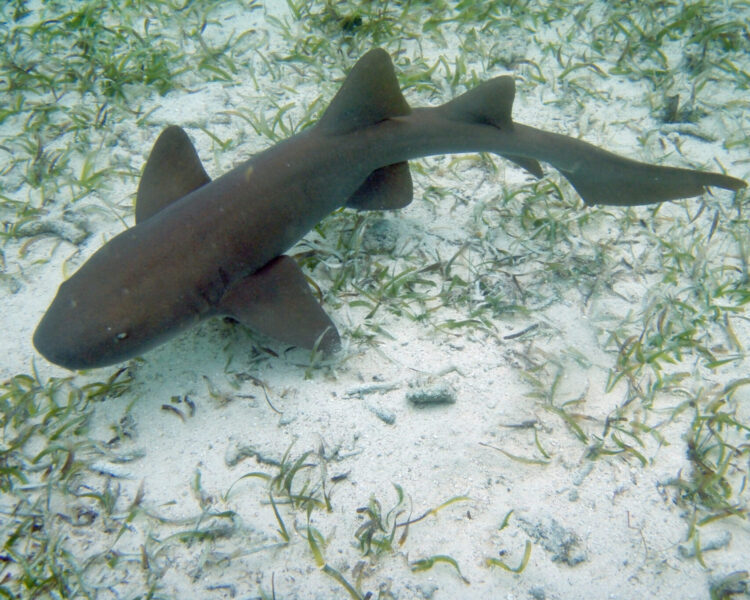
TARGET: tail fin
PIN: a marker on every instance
(601, 177)
(612, 180)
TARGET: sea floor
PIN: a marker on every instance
(534, 399)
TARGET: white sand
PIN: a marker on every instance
(604, 528)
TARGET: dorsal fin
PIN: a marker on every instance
(489, 103)
(369, 94)
(172, 171)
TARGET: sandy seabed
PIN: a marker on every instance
(213, 420)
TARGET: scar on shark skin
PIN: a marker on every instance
(201, 248)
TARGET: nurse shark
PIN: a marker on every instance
(202, 248)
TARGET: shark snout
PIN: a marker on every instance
(52, 344)
(56, 338)
(73, 336)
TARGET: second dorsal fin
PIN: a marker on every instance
(491, 103)
(369, 94)
(172, 171)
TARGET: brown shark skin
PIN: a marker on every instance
(171, 271)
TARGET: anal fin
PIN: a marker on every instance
(527, 164)
(276, 301)
(386, 188)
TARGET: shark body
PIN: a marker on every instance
(202, 248)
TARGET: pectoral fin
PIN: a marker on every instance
(276, 301)
(386, 188)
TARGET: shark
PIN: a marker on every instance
(202, 248)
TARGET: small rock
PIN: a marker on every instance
(10, 283)
(537, 593)
(68, 228)
(381, 237)
(386, 416)
(563, 544)
(423, 394)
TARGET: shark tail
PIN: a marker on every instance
(599, 176)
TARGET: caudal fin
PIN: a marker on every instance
(601, 177)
